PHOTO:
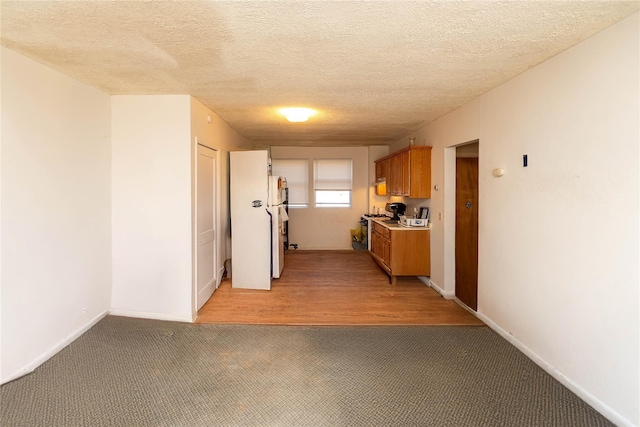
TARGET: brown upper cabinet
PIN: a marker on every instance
(382, 169)
(407, 171)
(394, 180)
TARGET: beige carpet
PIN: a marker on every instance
(133, 372)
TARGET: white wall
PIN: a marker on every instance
(153, 173)
(56, 219)
(558, 249)
(328, 228)
(151, 206)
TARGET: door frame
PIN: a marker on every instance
(194, 226)
(450, 220)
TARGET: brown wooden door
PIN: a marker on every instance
(467, 231)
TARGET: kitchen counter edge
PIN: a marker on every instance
(398, 226)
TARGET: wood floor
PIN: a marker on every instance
(333, 288)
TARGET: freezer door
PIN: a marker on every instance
(250, 221)
(277, 241)
(276, 190)
(278, 196)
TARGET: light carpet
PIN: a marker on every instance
(134, 372)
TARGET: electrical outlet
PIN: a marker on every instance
(439, 216)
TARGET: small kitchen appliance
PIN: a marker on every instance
(408, 221)
(396, 209)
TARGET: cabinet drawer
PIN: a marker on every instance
(384, 231)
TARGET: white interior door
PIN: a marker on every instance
(206, 232)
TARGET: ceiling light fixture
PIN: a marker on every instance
(297, 114)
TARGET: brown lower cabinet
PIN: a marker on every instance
(401, 251)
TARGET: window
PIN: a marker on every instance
(332, 183)
(296, 171)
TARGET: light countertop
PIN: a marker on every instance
(381, 221)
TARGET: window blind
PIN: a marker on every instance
(332, 183)
(332, 174)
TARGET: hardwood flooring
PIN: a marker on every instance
(333, 288)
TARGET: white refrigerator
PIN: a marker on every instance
(257, 213)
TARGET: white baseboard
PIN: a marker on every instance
(220, 275)
(599, 406)
(425, 280)
(30, 367)
(148, 315)
(438, 289)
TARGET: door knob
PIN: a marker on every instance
(467, 205)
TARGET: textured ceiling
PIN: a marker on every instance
(375, 71)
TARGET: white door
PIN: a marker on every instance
(205, 222)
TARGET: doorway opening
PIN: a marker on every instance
(466, 241)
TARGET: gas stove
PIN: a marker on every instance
(365, 220)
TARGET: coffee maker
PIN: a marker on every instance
(396, 209)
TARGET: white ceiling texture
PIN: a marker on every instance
(375, 71)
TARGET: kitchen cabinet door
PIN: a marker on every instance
(395, 183)
(420, 173)
(385, 251)
(381, 249)
(405, 162)
(382, 169)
